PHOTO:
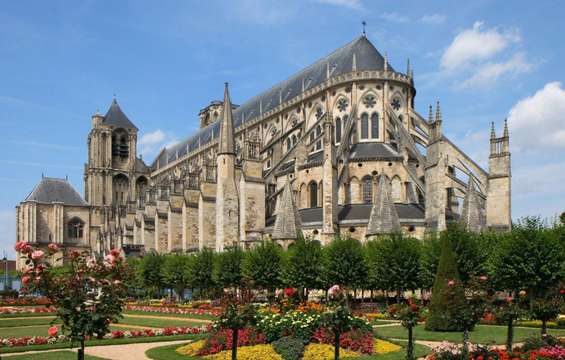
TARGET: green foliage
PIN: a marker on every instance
(290, 348)
(526, 259)
(262, 266)
(227, 268)
(470, 259)
(431, 249)
(562, 218)
(393, 262)
(447, 295)
(344, 263)
(200, 270)
(175, 273)
(150, 272)
(303, 265)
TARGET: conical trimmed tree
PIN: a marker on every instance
(448, 295)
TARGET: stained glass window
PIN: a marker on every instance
(364, 126)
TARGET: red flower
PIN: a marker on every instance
(289, 292)
(52, 331)
(53, 248)
(115, 252)
(25, 279)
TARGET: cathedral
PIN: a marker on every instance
(336, 149)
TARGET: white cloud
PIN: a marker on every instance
(488, 73)
(352, 4)
(150, 143)
(8, 231)
(476, 44)
(433, 19)
(394, 17)
(536, 122)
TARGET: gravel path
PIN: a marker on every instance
(204, 321)
(128, 351)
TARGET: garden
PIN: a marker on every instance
(453, 295)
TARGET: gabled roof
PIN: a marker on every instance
(115, 117)
(339, 62)
(50, 190)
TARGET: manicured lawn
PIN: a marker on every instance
(55, 355)
(158, 323)
(101, 342)
(169, 353)
(24, 322)
(483, 334)
(37, 330)
(3, 316)
(383, 322)
(190, 316)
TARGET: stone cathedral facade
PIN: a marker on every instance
(337, 148)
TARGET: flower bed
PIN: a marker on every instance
(25, 301)
(313, 351)
(25, 310)
(41, 340)
(173, 310)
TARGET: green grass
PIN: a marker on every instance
(38, 330)
(25, 322)
(122, 341)
(383, 322)
(7, 316)
(168, 353)
(483, 334)
(55, 355)
(157, 323)
(190, 316)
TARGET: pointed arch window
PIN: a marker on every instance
(75, 229)
(367, 184)
(374, 125)
(338, 129)
(288, 143)
(313, 187)
(364, 126)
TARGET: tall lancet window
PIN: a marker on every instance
(313, 194)
(374, 125)
(338, 129)
(364, 126)
(367, 184)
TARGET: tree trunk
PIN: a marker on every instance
(336, 346)
(80, 354)
(465, 352)
(234, 344)
(398, 296)
(543, 327)
(510, 335)
(410, 347)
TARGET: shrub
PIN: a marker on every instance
(538, 342)
(290, 348)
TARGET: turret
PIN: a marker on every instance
(498, 205)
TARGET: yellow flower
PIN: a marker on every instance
(324, 352)
(383, 347)
(192, 348)
(263, 352)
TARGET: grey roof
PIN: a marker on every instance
(471, 216)
(339, 62)
(287, 224)
(357, 212)
(373, 151)
(226, 145)
(383, 218)
(50, 190)
(115, 117)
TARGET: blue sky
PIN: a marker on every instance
(61, 61)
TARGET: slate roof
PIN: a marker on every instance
(50, 190)
(373, 151)
(367, 57)
(115, 117)
(358, 213)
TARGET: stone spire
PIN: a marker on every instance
(287, 223)
(505, 133)
(438, 112)
(471, 215)
(431, 115)
(386, 62)
(226, 141)
(492, 131)
(383, 218)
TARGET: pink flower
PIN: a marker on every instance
(52, 331)
(334, 291)
(26, 279)
(451, 282)
(522, 293)
(117, 282)
(115, 252)
(509, 299)
(74, 254)
(109, 260)
(90, 262)
(53, 248)
(37, 254)
(20, 245)
(483, 278)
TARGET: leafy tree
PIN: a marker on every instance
(394, 262)
(175, 274)
(470, 259)
(200, 271)
(545, 310)
(227, 268)
(562, 218)
(526, 259)
(151, 273)
(303, 265)
(344, 263)
(431, 250)
(448, 296)
(262, 266)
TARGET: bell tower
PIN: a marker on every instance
(498, 205)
